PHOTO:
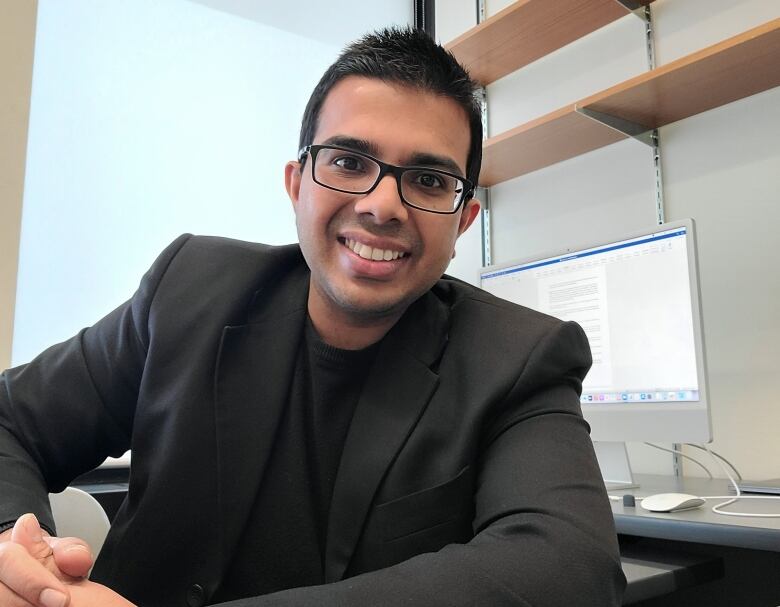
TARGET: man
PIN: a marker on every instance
(329, 424)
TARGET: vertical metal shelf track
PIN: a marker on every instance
(484, 193)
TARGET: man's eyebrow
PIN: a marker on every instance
(435, 162)
(424, 159)
(352, 143)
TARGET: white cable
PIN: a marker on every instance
(720, 457)
(680, 453)
(730, 500)
(742, 497)
(711, 497)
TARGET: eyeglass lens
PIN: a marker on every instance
(354, 173)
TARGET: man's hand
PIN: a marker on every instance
(37, 570)
(89, 594)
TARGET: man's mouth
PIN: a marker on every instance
(372, 253)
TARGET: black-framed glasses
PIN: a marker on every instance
(345, 170)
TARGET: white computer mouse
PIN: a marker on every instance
(671, 502)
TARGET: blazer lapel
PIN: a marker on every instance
(254, 370)
(397, 390)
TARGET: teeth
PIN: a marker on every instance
(367, 252)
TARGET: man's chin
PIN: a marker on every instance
(371, 308)
(366, 313)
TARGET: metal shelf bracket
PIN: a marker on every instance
(635, 6)
(638, 131)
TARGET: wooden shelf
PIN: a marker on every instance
(541, 143)
(527, 30)
(733, 69)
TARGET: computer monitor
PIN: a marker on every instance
(637, 298)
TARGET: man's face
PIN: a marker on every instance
(399, 125)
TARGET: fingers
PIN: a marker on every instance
(71, 555)
(24, 580)
(28, 533)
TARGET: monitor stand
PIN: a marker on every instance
(614, 464)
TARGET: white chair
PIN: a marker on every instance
(78, 514)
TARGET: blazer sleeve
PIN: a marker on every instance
(544, 532)
(71, 407)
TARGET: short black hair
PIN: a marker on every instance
(409, 57)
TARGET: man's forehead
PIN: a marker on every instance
(378, 118)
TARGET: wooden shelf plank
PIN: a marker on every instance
(733, 69)
(527, 30)
(540, 143)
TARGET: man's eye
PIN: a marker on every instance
(429, 180)
(348, 163)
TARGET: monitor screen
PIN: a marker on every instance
(637, 299)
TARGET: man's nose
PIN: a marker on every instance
(383, 202)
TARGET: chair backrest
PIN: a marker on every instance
(78, 514)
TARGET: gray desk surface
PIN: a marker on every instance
(653, 572)
(700, 525)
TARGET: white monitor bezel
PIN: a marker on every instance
(670, 422)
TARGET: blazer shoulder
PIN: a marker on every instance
(220, 261)
(479, 304)
(502, 330)
(199, 277)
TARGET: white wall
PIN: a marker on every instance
(334, 22)
(722, 168)
(149, 119)
(17, 41)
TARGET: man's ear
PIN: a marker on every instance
(468, 215)
(292, 180)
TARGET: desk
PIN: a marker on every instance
(748, 547)
(700, 525)
(683, 553)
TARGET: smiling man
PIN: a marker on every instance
(372, 255)
(330, 423)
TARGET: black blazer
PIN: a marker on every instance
(467, 477)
